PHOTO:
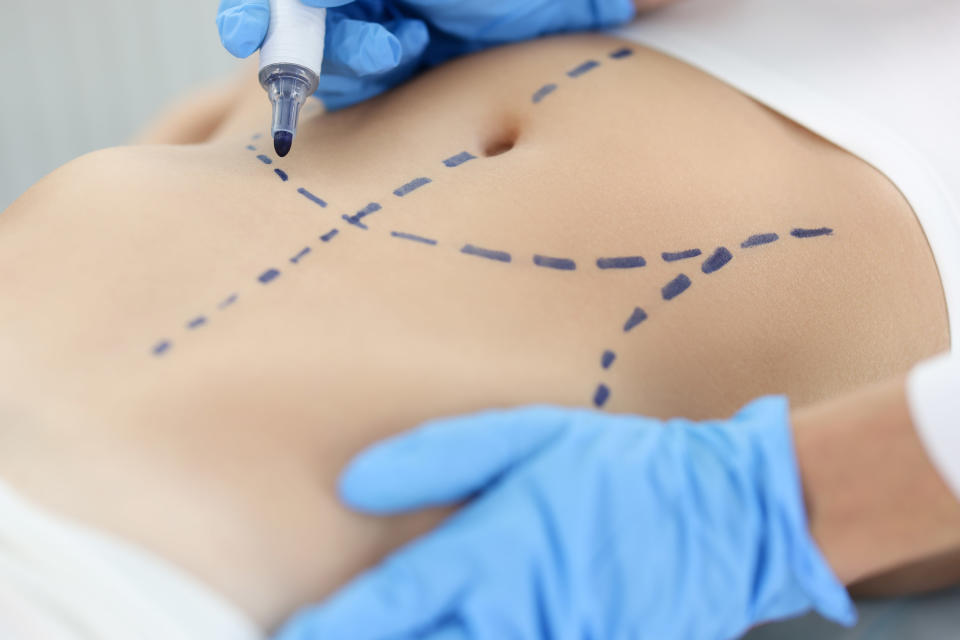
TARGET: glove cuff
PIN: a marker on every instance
(810, 582)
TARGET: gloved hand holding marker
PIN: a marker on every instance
(366, 47)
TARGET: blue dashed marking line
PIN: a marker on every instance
(264, 159)
(162, 347)
(759, 239)
(587, 66)
(312, 198)
(459, 159)
(411, 186)
(300, 256)
(268, 276)
(197, 322)
(675, 287)
(620, 54)
(489, 254)
(637, 317)
(718, 260)
(626, 262)
(811, 233)
(356, 218)
(281, 174)
(228, 302)
(250, 147)
(543, 92)
(413, 237)
(329, 235)
(561, 264)
(606, 360)
(601, 395)
(673, 256)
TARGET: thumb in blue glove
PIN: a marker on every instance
(585, 525)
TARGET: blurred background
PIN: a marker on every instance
(87, 74)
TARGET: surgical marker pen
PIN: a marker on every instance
(290, 61)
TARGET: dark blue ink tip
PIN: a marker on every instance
(601, 395)
(675, 287)
(759, 239)
(282, 141)
(718, 260)
(638, 316)
(607, 359)
(811, 233)
(268, 276)
(673, 256)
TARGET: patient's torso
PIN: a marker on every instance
(194, 339)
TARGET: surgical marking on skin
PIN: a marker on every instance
(251, 147)
(329, 235)
(626, 262)
(601, 395)
(413, 237)
(637, 317)
(228, 302)
(675, 287)
(489, 254)
(264, 159)
(300, 256)
(161, 347)
(543, 92)
(587, 66)
(268, 276)
(607, 359)
(312, 198)
(459, 159)
(718, 260)
(411, 186)
(257, 136)
(281, 174)
(759, 239)
(620, 54)
(811, 233)
(561, 264)
(197, 322)
(355, 219)
(673, 256)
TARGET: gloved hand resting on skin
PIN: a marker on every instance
(374, 45)
(585, 525)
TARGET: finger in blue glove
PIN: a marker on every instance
(586, 525)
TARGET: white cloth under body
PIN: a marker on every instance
(62, 581)
(878, 78)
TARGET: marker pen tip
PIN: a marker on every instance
(282, 141)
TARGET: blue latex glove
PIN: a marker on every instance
(585, 525)
(374, 45)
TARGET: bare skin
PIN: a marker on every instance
(222, 455)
